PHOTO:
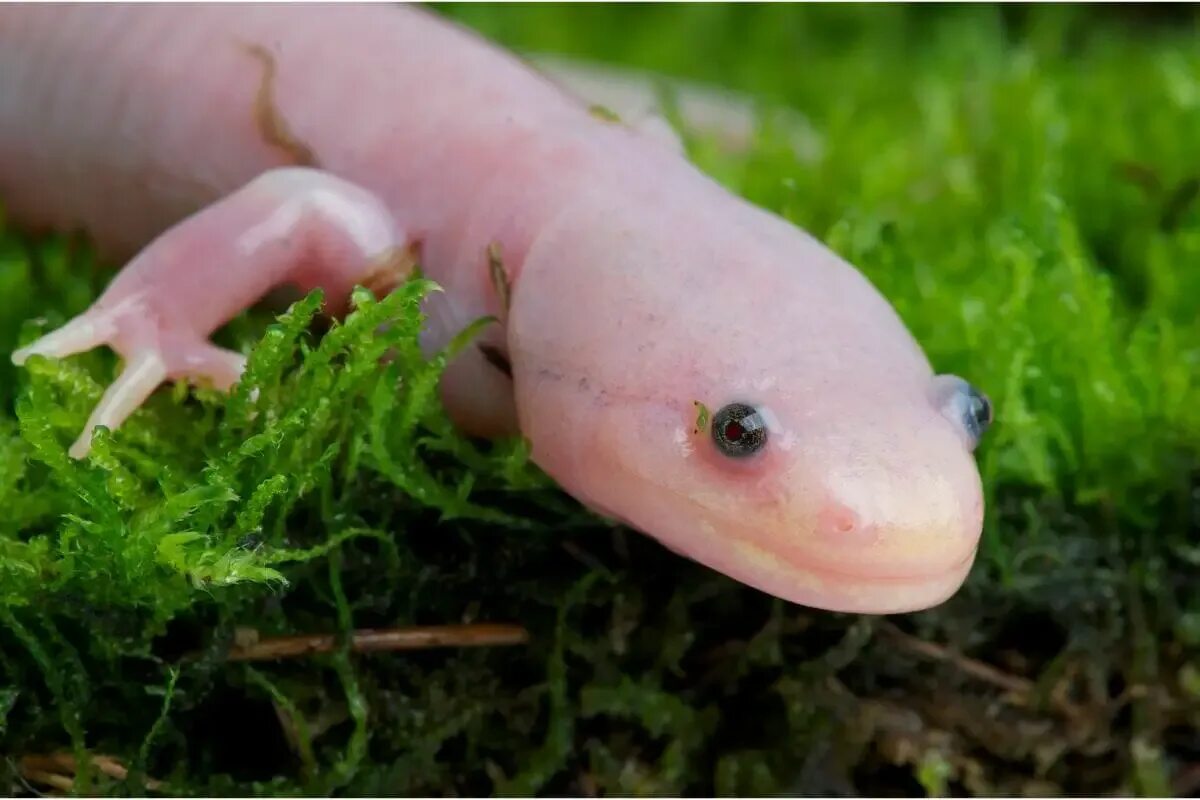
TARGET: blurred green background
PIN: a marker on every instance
(1021, 182)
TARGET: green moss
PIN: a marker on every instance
(1020, 183)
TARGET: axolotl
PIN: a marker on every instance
(679, 359)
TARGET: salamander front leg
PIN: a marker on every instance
(289, 226)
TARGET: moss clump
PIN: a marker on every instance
(1020, 183)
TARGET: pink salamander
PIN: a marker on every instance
(680, 359)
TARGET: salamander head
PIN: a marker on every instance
(869, 504)
(727, 385)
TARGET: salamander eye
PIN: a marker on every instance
(739, 430)
(978, 416)
(964, 404)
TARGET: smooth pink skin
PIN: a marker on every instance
(639, 286)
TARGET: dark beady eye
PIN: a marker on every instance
(977, 412)
(965, 405)
(739, 430)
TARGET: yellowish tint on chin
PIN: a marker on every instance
(766, 571)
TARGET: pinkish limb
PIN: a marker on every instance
(294, 225)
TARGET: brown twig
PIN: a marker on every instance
(385, 640)
(60, 782)
(55, 770)
(973, 667)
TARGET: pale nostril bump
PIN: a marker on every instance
(837, 519)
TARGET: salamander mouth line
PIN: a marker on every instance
(839, 575)
(720, 518)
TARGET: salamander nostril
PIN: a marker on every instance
(837, 519)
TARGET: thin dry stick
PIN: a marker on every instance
(388, 639)
(974, 668)
(60, 782)
(54, 768)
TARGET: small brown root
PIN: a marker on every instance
(385, 640)
(52, 779)
(57, 770)
(1019, 686)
